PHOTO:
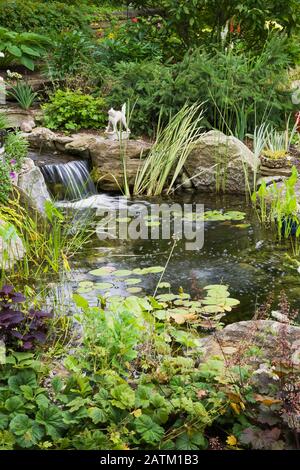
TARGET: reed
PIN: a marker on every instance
(161, 168)
(49, 243)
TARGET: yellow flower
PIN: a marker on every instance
(231, 440)
(111, 36)
(137, 413)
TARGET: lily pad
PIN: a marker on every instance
(84, 290)
(132, 281)
(154, 270)
(134, 290)
(85, 284)
(104, 271)
(167, 297)
(164, 285)
(122, 273)
(103, 285)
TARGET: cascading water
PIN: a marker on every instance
(70, 181)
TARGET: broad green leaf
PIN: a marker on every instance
(150, 431)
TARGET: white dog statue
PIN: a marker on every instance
(116, 117)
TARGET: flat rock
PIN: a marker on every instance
(107, 158)
(41, 138)
(266, 171)
(237, 339)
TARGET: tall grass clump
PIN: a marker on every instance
(170, 151)
(49, 242)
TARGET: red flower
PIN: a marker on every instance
(238, 29)
(134, 20)
(231, 29)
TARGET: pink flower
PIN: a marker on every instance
(134, 20)
(13, 162)
(13, 175)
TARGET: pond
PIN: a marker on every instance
(237, 253)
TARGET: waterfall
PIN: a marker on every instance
(70, 181)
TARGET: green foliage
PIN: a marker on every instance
(202, 21)
(21, 48)
(151, 398)
(16, 149)
(148, 85)
(69, 110)
(43, 17)
(134, 42)
(226, 81)
(23, 94)
(6, 183)
(71, 59)
(277, 206)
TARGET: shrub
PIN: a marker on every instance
(70, 110)
(130, 42)
(5, 183)
(71, 50)
(21, 48)
(46, 17)
(16, 149)
(227, 81)
(148, 85)
(230, 81)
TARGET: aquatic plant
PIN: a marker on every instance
(49, 243)
(277, 206)
(168, 155)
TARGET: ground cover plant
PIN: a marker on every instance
(101, 347)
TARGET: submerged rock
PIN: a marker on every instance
(277, 341)
(220, 162)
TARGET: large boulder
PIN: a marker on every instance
(31, 181)
(11, 246)
(272, 338)
(221, 163)
(41, 138)
(80, 145)
(107, 158)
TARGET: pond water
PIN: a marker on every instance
(240, 254)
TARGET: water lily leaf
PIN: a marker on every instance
(84, 290)
(167, 297)
(86, 284)
(234, 215)
(181, 316)
(122, 273)
(132, 281)
(164, 285)
(103, 285)
(154, 270)
(134, 290)
(139, 271)
(161, 314)
(104, 271)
